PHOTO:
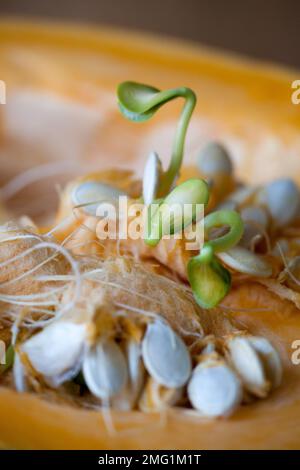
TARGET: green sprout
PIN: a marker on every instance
(209, 280)
(168, 216)
(140, 102)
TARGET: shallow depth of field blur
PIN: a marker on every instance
(265, 30)
(61, 106)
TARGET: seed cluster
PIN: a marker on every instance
(95, 319)
(251, 231)
(129, 357)
(158, 370)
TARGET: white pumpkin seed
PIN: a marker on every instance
(19, 374)
(126, 400)
(270, 357)
(213, 159)
(283, 200)
(255, 215)
(244, 261)
(90, 194)
(165, 356)
(249, 366)
(105, 370)
(214, 389)
(56, 351)
(151, 179)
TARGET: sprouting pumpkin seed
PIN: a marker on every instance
(138, 102)
(210, 281)
(178, 210)
(151, 179)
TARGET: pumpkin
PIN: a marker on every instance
(62, 79)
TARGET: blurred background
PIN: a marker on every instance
(264, 30)
(61, 118)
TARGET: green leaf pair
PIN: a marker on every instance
(209, 280)
(178, 210)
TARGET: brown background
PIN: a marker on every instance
(263, 29)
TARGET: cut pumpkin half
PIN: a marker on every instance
(64, 78)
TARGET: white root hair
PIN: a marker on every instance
(292, 276)
(38, 299)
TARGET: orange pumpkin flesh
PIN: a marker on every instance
(30, 422)
(242, 104)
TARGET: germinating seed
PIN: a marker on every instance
(151, 179)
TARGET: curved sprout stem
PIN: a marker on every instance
(209, 280)
(224, 218)
(179, 140)
(139, 102)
